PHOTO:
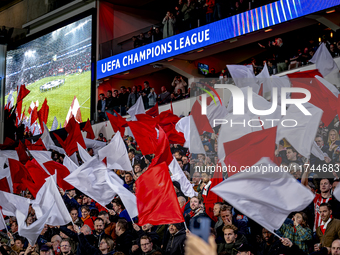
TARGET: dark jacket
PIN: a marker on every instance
(81, 250)
(97, 238)
(175, 245)
(230, 248)
(278, 248)
(89, 248)
(124, 242)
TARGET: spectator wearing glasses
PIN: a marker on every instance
(146, 245)
(65, 247)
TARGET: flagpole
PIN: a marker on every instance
(277, 235)
(185, 225)
(2, 218)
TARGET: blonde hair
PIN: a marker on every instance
(336, 136)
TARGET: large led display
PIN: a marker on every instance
(56, 66)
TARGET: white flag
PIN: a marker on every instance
(2, 222)
(94, 144)
(193, 141)
(301, 137)
(48, 142)
(48, 196)
(116, 154)
(12, 203)
(266, 197)
(71, 166)
(243, 76)
(54, 124)
(231, 131)
(137, 108)
(317, 152)
(324, 61)
(216, 112)
(90, 179)
(128, 198)
(9, 154)
(74, 158)
(264, 78)
(83, 154)
(42, 157)
(178, 175)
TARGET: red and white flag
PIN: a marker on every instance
(74, 111)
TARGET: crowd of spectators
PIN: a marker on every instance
(98, 231)
(122, 100)
(189, 14)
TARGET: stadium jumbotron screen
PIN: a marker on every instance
(56, 66)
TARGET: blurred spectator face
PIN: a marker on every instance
(65, 247)
(305, 50)
(319, 142)
(291, 156)
(14, 227)
(331, 47)
(332, 135)
(196, 178)
(335, 249)
(137, 169)
(146, 227)
(180, 163)
(44, 230)
(128, 178)
(163, 89)
(179, 91)
(19, 244)
(116, 208)
(338, 45)
(133, 89)
(134, 187)
(74, 215)
(229, 236)
(109, 93)
(157, 30)
(85, 213)
(325, 185)
(146, 85)
(185, 160)
(194, 203)
(149, 33)
(216, 210)
(266, 235)
(141, 35)
(145, 245)
(205, 178)
(325, 213)
(101, 96)
(227, 217)
(172, 229)
(99, 226)
(177, 155)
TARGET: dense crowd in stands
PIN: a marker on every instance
(96, 230)
(190, 14)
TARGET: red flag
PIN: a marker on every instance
(22, 93)
(62, 172)
(60, 141)
(89, 130)
(174, 136)
(4, 185)
(118, 123)
(71, 124)
(249, 149)
(7, 143)
(154, 111)
(156, 198)
(163, 153)
(18, 172)
(38, 146)
(34, 115)
(261, 90)
(21, 150)
(145, 135)
(43, 114)
(74, 137)
(37, 173)
(18, 110)
(321, 96)
(201, 121)
(212, 198)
